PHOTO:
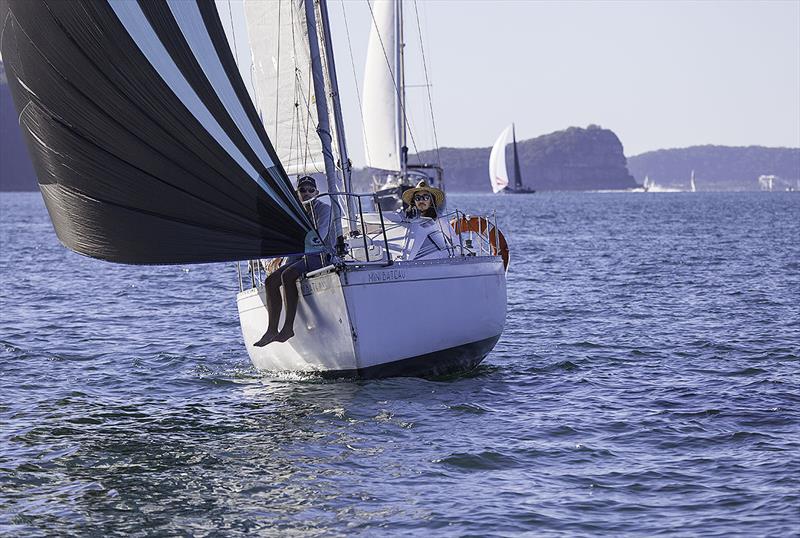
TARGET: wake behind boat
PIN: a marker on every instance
(149, 150)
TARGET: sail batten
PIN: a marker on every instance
(147, 148)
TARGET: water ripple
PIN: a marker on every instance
(647, 384)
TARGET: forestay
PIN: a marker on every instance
(145, 142)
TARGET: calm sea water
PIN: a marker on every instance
(647, 383)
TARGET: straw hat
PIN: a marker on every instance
(422, 186)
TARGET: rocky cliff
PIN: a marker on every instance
(573, 159)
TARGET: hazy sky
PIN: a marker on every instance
(660, 74)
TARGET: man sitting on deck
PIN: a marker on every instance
(290, 272)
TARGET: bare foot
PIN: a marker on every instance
(284, 335)
(268, 337)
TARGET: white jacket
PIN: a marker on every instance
(428, 238)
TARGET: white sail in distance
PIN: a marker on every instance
(282, 80)
(498, 173)
(380, 107)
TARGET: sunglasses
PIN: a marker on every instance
(310, 190)
(420, 197)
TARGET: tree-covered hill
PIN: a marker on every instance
(717, 167)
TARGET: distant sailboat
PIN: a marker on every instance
(650, 185)
(767, 182)
(498, 171)
(692, 185)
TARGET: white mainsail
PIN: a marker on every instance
(380, 108)
(498, 173)
(692, 185)
(282, 80)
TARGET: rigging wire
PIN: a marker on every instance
(278, 69)
(301, 125)
(297, 123)
(355, 80)
(428, 86)
(233, 33)
(394, 81)
(304, 122)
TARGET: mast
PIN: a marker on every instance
(401, 88)
(517, 173)
(337, 110)
(323, 127)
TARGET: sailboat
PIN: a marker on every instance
(498, 171)
(692, 185)
(650, 185)
(384, 110)
(149, 150)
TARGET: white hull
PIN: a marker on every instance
(410, 318)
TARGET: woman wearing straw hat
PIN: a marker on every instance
(431, 235)
(423, 200)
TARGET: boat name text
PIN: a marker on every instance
(384, 276)
(314, 285)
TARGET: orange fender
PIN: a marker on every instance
(482, 226)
